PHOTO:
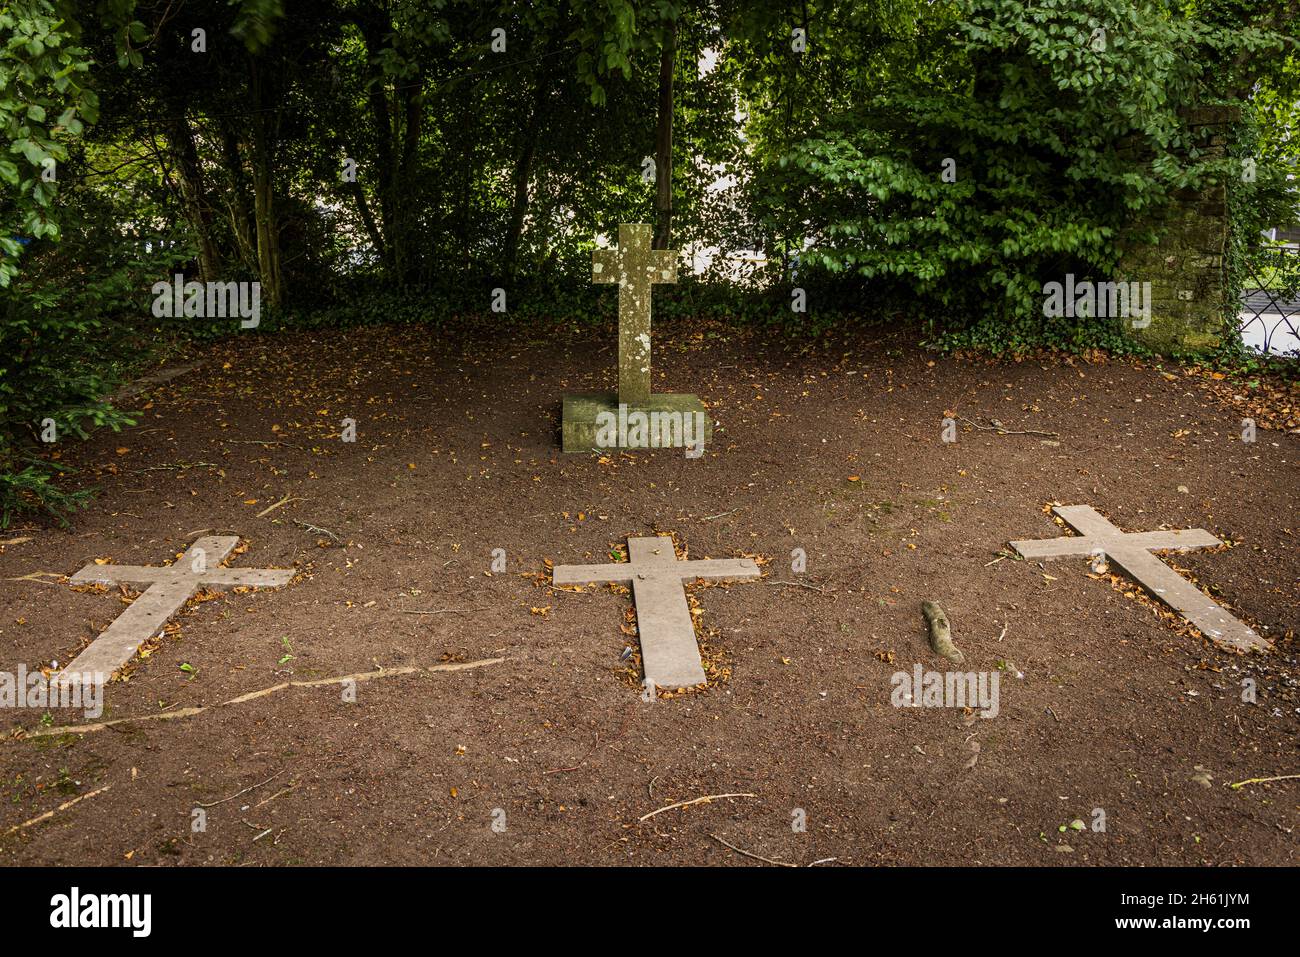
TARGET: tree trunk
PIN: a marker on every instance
(241, 222)
(664, 142)
(384, 176)
(194, 197)
(412, 127)
(268, 245)
(523, 173)
(374, 27)
(368, 219)
(262, 145)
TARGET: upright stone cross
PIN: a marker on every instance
(1132, 552)
(634, 417)
(636, 268)
(169, 588)
(668, 649)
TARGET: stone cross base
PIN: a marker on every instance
(669, 420)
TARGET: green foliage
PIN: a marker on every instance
(613, 35)
(73, 323)
(52, 383)
(1065, 124)
(44, 104)
(33, 489)
(256, 21)
(380, 161)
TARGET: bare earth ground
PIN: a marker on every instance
(836, 449)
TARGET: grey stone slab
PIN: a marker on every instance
(170, 587)
(668, 647)
(119, 642)
(207, 553)
(1074, 545)
(126, 574)
(1086, 520)
(1131, 552)
(1188, 600)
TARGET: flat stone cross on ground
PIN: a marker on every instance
(1132, 553)
(668, 647)
(636, 267)
(170, 587)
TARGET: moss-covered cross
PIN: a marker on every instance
(635, 266)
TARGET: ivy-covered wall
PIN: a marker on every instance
(1187, 266)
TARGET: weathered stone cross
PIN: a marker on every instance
(668, 649)
(1132, 553)
(169, 588)
(634, 417)
(636, 267)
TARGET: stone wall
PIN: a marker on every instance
(1187, 267)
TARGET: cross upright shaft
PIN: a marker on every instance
(636, 267)
(653, 557)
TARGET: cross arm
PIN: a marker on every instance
(1072, 545)
(664, 264)
(213, 550)
(1064, 547)
(253, 577)
(718, 568)
(148, 574)
(604, 265)
(112, 574)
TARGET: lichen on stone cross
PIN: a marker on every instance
(635, 266)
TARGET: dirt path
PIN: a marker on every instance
(1105, 704)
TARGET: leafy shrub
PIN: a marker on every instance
(1064, 123)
